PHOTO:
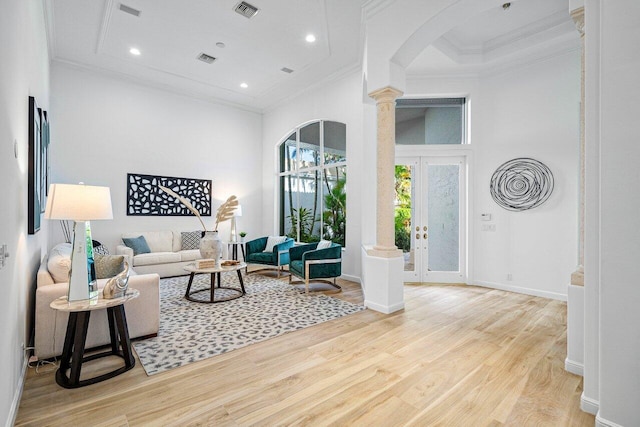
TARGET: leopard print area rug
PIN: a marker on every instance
(191, 331)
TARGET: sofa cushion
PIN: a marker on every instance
(191, 240)
(108, 265)
(190, 255)
(138, 244)
(261, 257)
(272, 241)
(156, 258)
(59, 262)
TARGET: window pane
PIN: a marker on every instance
(287, 153)
(444, 217)
(309, 145)
(430, 121)
(287, 204)
(335, 142)
(403, 214)
(310, 206)
(335, 204)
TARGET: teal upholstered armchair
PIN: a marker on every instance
(307, 262)
(277, 257)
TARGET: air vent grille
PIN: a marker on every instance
(129, 10)
(245, 9)
(286, 70)
(206, 58)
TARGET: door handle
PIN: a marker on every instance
(417, 236)
(426, 236)
(425, 228)
(417, 228)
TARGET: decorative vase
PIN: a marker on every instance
(211, 246)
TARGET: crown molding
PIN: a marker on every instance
(49, 24)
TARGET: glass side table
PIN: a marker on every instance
(74, 341)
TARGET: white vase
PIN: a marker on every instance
(211, 246)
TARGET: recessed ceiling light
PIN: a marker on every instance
(310, 38)
(134, 51)
(244, 85)
(220, 45)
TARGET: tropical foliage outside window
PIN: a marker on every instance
(313, 176)
(402, 218)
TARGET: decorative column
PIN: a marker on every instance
(385, 194)
(577, 277)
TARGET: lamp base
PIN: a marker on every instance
(82, 277)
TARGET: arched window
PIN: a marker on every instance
(312, 177)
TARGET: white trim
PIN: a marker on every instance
(521, 290)
(13, 411)
(601, 422)
(589, 405)
(573, 367)
(384, 308)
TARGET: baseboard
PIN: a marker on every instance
(13, 412)
(589, 405)
(519, 290)
(601, 422)
(574, 367)
(384, 308)
(351, 278)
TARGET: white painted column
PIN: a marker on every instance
(382, 263)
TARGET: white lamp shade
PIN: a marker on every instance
(78, 202)
(238, 211)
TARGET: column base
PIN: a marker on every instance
(382, 280)
(577, 277)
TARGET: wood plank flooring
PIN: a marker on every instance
(456, 356)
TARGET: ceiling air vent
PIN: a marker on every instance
(246, 10)
(206, 58)
(129, 10)
(286, 70)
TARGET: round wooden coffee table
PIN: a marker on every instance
(215, 272)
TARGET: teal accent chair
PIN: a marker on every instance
(278, 258)
(307, 263)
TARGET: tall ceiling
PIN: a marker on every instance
(171, 34)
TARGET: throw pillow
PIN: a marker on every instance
(100, 249)
(138, 244)
(272, 241)
(324, 244)
(59, 262)
(108, 265)
(191, 240)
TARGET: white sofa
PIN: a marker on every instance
(167, 258)
(143, 313)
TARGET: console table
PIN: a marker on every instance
(75, 338)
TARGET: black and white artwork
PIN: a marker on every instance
(145, 198)
(521, 184)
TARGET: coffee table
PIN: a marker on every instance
(215, 272)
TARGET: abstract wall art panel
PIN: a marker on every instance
(521, 184)
(145, 198)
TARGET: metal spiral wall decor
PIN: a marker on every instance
(521, 184)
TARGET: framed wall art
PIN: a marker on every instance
(145, 198)
(35, 168)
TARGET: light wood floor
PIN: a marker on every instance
(456, 356)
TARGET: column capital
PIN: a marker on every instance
(385, 94)
(578, 18)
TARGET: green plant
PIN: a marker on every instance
(243, 233)
(303, 217)
(335, 214)
(402, 215)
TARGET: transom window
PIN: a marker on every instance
(312, 177)
(431, 121)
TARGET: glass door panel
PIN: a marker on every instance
(406, 181)
(443, 217)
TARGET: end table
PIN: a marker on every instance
(75, 338)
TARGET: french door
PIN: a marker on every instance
(430, 218)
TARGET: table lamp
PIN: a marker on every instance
(234, 235)
(80, 203)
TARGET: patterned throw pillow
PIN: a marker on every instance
(272, 241)
(108, 265)
(101, 250)
(191, 240)
(138, 244)
(324, 244)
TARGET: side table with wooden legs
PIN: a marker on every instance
(76, 336)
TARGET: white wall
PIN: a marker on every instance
(339, 101)
(531, 111)
(24, 71)
(619, 227)
(104, 128)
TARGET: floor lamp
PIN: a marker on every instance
(80, 203)
(234, 235)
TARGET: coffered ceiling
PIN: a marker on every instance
(170, 35)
